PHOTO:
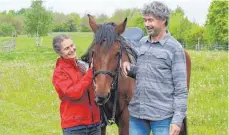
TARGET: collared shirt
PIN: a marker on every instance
(161, 86)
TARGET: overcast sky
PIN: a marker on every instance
(195, 10)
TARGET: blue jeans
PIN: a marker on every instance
(144, 127)
(83, 130)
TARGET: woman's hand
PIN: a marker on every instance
(83, 66)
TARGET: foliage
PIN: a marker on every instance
(6, 29)
(102, 18)
(84, 25)
(15, 21)
(38, 21)
(60, 27)
(217, 22)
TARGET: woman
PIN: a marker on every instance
(79, 113)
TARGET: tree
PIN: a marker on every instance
(102, 18)
(137, 21)
(118, 16)
(38, 21)
(6, 29)
(134, 16)
(21, 11)
(17, 22)
(178, 24)
(66, 23)
(3, 12)
(84, 25)
(73, 22)
(194, 36)
(186, 32)
(59, 17)
(11, 13)
(217, 22)
(61, 27)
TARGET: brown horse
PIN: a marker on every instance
(113, 91)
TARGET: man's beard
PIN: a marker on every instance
(152, 31)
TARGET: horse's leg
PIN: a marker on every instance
(123, 123)
(103, 130)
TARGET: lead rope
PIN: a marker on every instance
(112, 121)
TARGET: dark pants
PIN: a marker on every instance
(83, 130)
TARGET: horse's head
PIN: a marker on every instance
(105, 57)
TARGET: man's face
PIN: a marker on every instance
(67, 49)
(153, 25)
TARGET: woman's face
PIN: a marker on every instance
(67, 49)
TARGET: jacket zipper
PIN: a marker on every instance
(90, 107)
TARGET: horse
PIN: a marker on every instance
(113, 91)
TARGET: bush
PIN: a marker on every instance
(85, 29)
(6, 29)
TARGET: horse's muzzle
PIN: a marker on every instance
(102, 100)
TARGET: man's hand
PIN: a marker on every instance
(125, 68)
(174, 129)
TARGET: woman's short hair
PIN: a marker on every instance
(57, 40)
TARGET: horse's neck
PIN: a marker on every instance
(126, 84)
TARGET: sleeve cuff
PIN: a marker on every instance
(178, 119)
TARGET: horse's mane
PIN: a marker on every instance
(105, 32)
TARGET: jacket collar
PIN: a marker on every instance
(66, 62)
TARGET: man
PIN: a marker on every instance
(160, 96)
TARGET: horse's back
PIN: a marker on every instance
(188, 68)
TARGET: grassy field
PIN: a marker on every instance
(29, 104)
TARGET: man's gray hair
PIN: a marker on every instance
(57, 40)
(158, 10)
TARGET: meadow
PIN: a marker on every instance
(29, 104)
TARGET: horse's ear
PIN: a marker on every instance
(121, 27)
(92, 23)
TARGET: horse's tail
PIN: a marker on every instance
(184, 127)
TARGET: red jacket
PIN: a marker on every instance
(76, 93)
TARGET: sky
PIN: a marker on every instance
(195, 10)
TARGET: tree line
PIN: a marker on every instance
(38, 21)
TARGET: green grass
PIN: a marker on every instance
(29, 104)
(208, 95)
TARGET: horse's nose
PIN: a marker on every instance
(101, 100)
